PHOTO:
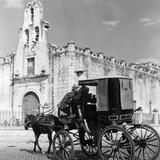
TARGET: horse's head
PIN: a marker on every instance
(28, 119)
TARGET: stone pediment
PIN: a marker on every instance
(34, 79)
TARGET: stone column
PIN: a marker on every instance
(155, 116)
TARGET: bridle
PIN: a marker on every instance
(29, 122)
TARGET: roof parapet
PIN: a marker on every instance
(6, 59)
(71, 46)
(148, 68)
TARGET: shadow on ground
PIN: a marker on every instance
(11, 146)
(79, 155)
(28, 151)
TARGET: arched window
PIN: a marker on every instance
(31, 66)
(32, 14)
(27, 34)
(37, 33)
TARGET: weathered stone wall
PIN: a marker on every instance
(67, 63)
(36, 45)
(63, 67)
(5, 88)
(33, 44)
(62, 72)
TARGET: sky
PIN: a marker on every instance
(125, 29)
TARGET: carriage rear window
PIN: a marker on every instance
(114, 94)
(126, 94)
(108, 95)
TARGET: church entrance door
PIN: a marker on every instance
(30, 104)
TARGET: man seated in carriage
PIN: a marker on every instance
(71, 100)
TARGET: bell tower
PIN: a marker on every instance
(32, 52)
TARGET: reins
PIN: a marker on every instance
(28, 123)
(50, 110)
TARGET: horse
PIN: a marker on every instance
(41, 125)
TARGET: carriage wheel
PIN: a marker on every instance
(91, 148)
(114, 143)
(63, 145)
(147, 142)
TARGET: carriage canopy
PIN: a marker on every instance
(111, 92)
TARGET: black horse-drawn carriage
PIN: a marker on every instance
(99, 116)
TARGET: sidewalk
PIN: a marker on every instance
(12, 128)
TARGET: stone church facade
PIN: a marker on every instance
(40, 73)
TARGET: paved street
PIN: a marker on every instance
(18, 145)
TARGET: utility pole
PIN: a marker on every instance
(52, 70)
(12, 84)
(52, 54)
(1, 112)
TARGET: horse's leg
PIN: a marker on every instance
(50, 141)
(40, 149)
(81, 132)
(36, 143)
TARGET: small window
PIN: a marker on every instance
(31, 66)
(37, 33)
(32, 14)
(27, 34)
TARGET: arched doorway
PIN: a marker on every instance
(31, 104)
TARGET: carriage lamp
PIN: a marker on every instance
(155, 110)
(45, 106)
